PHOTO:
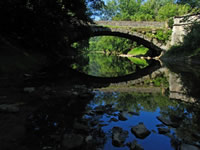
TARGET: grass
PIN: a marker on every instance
(138, 51)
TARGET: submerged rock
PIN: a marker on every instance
(113, 119)
(71, 141)
(140, 131)
(118, 136)
(163, 130)
(10, 108)
(134, 146)
(122, 116)
(88, 139)
(134, 113)
(80, 126)
(167, 122)
(188, 147)
(29, 89)
(100, 109)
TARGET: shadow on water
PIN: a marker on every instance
(189, 76)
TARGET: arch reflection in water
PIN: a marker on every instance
(99, 56)
(109, 66)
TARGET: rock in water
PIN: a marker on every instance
(118, 136)
(140, 131)
(163, 130)
(134, 146)
(71, 141)
(188, 147)
(167, 122)
(122, 116)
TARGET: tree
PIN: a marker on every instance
(192, 3)
(44, 25)
(140, 10)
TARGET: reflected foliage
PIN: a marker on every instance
(142, 63)
(184, 116)
(135, 101)
(98, 56)
(187, 118)
(105, 66)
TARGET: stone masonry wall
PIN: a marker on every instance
(150, 24)
(180, 23)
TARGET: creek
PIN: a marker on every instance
(170, 114)
(157, 111)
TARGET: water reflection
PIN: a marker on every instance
(99, 56)
(108, 66)
(156, 111)
(173, 123)
(188, 76)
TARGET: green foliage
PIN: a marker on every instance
(192, 3)
(170, 10)
(163, 35)
(159, 10)
(135, 101)
(141, 50)
(170, 22)
(110, 44)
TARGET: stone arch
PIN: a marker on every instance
(104, 31)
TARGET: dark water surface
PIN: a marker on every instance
(168, 100)
(178, 105)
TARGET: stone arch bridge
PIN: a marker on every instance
(124, 29)
(127, 30)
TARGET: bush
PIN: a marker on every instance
(163, 35)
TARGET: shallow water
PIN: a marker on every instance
(159, 105)
(172, 94)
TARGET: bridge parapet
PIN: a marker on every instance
(179, 27)
(138, 24)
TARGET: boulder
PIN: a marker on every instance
(140, 131)
(134, 146)
(118, 136)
